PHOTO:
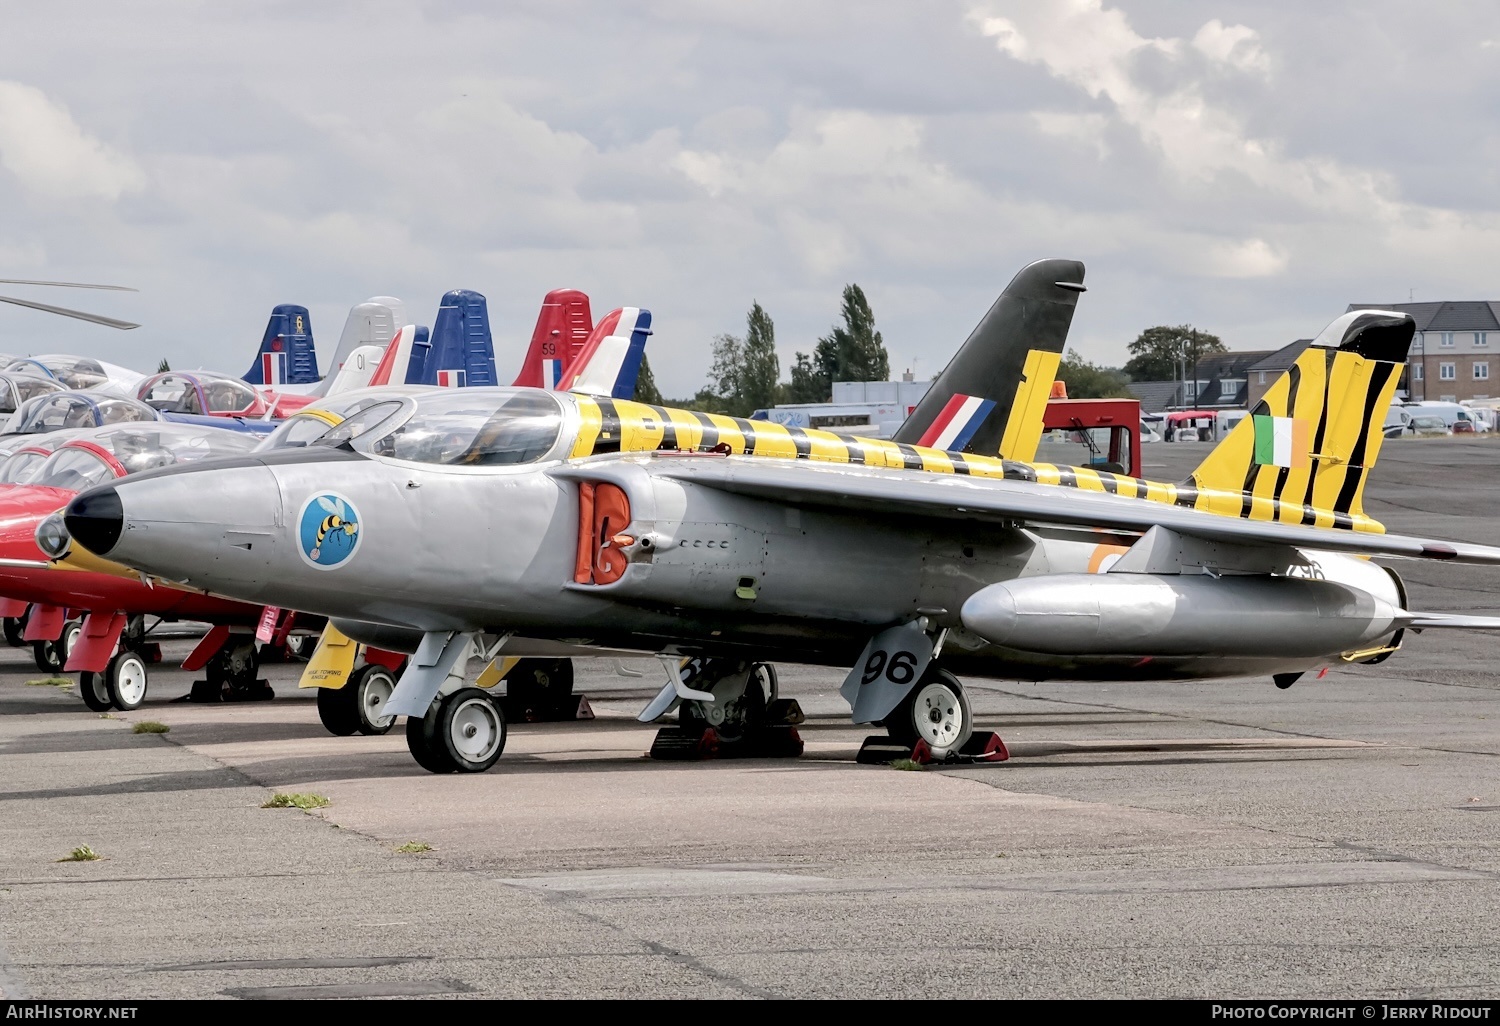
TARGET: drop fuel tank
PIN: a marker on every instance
(1178, 614)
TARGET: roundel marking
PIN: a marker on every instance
(328, 530)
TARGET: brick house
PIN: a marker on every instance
(1456, 352)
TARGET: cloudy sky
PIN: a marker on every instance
(1247, 167)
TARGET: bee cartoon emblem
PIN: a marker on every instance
(328, 531)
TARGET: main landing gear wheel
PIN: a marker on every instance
(351, 708)
(126, 679)
(52, 656)
(936, 711)
(537, 689)
(95, 691)
(232, 675)
(462, 733)
(15, 630)
(747, 717)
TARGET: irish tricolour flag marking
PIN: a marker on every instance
(1281, 442)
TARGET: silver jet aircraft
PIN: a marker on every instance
(498, 519)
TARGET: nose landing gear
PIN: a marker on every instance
(746, 718)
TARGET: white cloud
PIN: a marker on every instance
(49, 153)
(1235, 45)
(1248, 258)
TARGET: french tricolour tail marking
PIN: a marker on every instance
(956, 424)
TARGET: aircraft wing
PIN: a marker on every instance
(956, 497)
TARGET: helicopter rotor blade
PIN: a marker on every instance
(67, 285)
(63, 311)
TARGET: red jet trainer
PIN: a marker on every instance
(109, 654)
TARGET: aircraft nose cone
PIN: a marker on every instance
(95, 519)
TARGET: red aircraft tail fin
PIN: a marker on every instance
(561, 330)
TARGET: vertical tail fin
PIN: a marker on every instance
(286, 355)
(1304, 452)
(562, 329)
(462, 351)
(610, 360)
(371, 323)
(991, 397)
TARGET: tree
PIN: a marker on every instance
(855, 351)
(726, 373)
(759, 368)
(1166, 352)
(1088, 381)
(807, 385)
(645, 385)
(162, 367)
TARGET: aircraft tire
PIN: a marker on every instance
(15, 628)
(421, 741)
(46, 656)
(462, 733)
(373, 684)
(936, 711)
(537, 687)
(95, 692)
(471, 729)
(338, 709)
(127, 679)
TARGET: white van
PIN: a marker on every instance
(1452, 413)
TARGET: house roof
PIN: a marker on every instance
(1282, 358)
(1446, 315)
(1155, 396)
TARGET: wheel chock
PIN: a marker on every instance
(785, 712)
(880, 749)
(982, 746)
(774, 743)
(573, 707)
(673, 744)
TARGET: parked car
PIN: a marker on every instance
(1428, 424)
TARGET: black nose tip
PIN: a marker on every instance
(95, 519)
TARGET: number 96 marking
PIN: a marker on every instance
(899, 668)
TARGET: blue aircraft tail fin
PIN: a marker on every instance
(461, 351)
(286, 356)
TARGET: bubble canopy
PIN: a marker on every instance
(312, 422)
(77, 409)
(135, 447)
(467, 427)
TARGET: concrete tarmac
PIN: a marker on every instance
(1225, 839)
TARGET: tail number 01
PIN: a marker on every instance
(896, 667)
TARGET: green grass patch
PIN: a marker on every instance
(149, 727)
(907, 764)
(296, 801)
(82, 853)
(50, 682)
(414, 848)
